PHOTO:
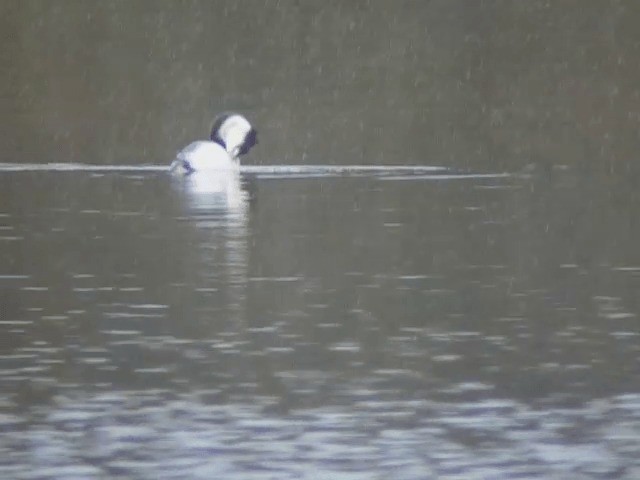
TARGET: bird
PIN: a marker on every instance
(231, 137)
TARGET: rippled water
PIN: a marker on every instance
(316, 322)
(312, 321)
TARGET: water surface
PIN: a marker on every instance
(413, 324)
(429, 268)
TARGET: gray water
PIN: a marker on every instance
(429, 267)
(347, 326)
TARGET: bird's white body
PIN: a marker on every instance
(231, 136)
(204, 156)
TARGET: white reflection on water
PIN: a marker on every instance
(217, 205)
(216, 192)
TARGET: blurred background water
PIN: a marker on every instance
(478, 320)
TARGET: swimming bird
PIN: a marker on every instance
(231, 136)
